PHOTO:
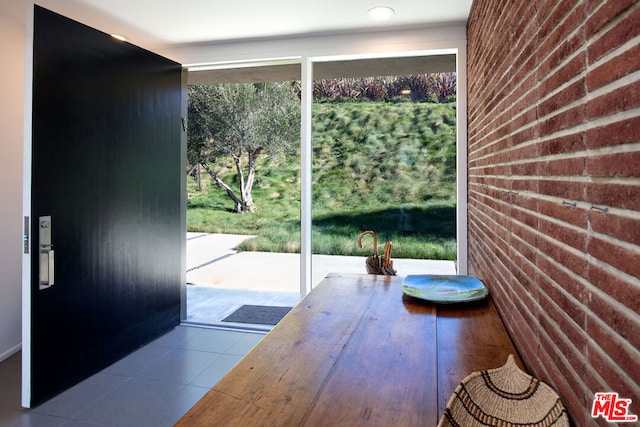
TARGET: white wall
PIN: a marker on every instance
(11, 107)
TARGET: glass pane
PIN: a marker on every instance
(243, 213)
(384, 160)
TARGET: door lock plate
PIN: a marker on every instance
(46, 264)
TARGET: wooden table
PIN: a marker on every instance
(357, 351)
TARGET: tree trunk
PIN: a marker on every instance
(222, 184)
(247, 201)
(253, 156)
(195, 172)
(199, 177)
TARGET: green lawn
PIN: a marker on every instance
(418, 231)
(389, 168)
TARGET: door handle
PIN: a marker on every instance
(46, 264)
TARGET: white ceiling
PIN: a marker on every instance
(159, 25)
(201, 21)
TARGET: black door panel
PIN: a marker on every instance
(106, 168)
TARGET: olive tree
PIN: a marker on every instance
(240, 122)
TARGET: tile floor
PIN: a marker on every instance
(154, 386)
(209, 306)
(157, 384)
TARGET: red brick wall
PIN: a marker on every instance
(554, 187)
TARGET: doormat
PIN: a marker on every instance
(257, 314)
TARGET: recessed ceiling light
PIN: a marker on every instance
(120, 37)
(380, 13)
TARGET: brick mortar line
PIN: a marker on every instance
(589, 96)
(497, 225)
(602, 324)
(522, 305)
(587, 257)
(587, 152)
(484, 124)
(616, 84)
(584, 388)
(631, 280)
(495, 271)
(586, 179)
(558, 24)
(494, 29)
(588, 232)
(539, 61)
(478, 216)
(539, 42)
(533, 194)
(580, 102)
(604, 30)
(626, 213)
(619, 116)
(528, 314)
(488, 124)
(588, 286)
(581, 50)
(551, 301)
(485, 146)
(611, 363)
(628, 147)
(578, 354)
(582, 127)
(506, 98)
(621, 49)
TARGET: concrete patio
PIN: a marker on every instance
(220, 279)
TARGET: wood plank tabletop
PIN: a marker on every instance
(357, 351)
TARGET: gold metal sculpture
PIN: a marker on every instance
(377, 264)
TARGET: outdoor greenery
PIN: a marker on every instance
(384, 166)
(236, 123)
(440, 87)
(375, 154)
